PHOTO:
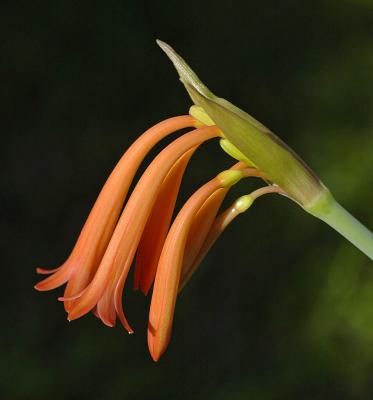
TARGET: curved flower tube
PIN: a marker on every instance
(157, 225)
(170, 263)
(183, 249)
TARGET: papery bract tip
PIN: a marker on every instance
(254, 140)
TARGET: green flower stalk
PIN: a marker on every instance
(246, 139)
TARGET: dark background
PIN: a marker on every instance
(282, 307)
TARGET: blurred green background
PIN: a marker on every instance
(282, 307)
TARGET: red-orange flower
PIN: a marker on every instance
(98, 266)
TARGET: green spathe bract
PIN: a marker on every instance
(272, 156)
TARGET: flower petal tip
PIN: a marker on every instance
(108, 323)
(43, 271)
(71, 315)
(153, 350)
(41, 287)
(70, 298)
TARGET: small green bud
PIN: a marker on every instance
(243, 203)
(230, 177)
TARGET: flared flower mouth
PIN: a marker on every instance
(166, 253)
(119, 232)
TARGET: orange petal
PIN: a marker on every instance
(158, 223)
(130, 226)
(42, 271)
(118, 294)
(168, 273)
(94, 312)
(220, 224)
(109, 306)
(202, 223)
(58, 278)
(150, 245)
(106, 310)
(202, 244)
(200, 228)
(72, 297)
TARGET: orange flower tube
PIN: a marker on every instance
(170, 264)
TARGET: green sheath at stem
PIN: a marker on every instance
(347, 225)
(255, 143)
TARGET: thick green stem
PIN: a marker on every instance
(331, 212)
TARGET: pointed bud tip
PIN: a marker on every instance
(187, 76)
(165, 47)
(170, 52)
(162, 45)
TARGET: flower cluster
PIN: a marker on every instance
(166, 252)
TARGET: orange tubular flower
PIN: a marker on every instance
(100, 224)
(166, 253)
(98, 266)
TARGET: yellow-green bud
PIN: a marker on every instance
(230, 177)
(243, 203)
